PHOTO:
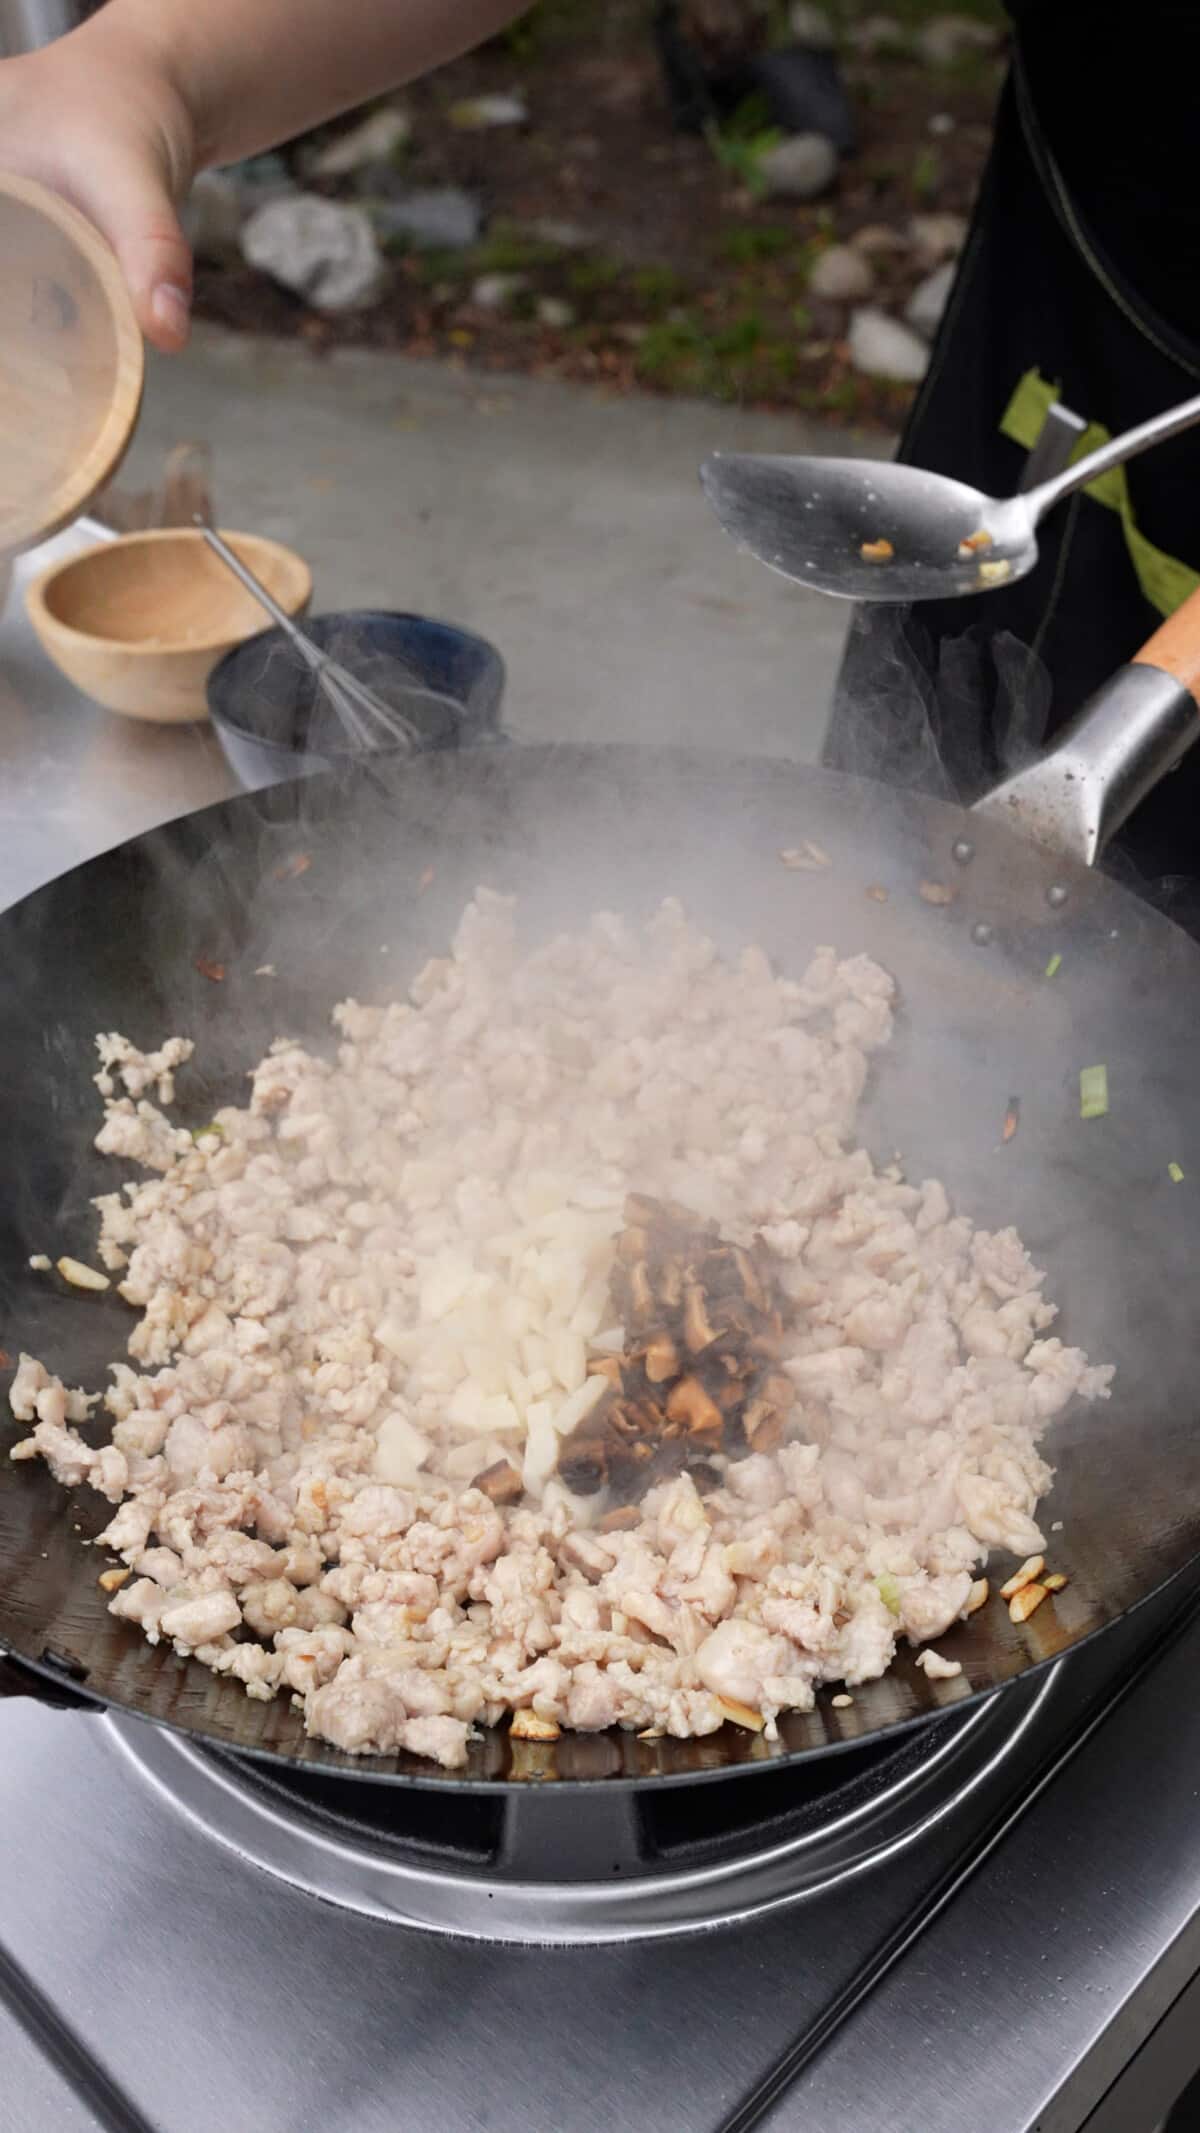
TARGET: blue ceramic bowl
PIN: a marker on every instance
(274, 721)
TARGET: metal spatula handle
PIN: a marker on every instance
(1135, 729)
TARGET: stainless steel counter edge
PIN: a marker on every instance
(1022, 2005)
(74, 778)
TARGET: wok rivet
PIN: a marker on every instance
(963, 851)
(1056, 896)
(981, 934)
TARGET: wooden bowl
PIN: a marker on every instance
(140, 622)
(71, 363)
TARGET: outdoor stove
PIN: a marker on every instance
(991, 1922)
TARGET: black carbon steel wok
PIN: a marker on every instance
(116, 944)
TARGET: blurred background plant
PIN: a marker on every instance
(751, 200)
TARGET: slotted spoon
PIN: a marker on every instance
(867, 529)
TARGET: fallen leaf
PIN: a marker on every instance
(214, 972)
(299, 863)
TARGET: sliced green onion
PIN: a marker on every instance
(1175, 1173)
(1054, 965)
(889, 1592)
(1093, 1091)
(203, 1133)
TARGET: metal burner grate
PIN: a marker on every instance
(587, 1863)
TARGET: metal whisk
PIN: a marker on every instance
(368, 719)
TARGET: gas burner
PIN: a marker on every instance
(561, 1863)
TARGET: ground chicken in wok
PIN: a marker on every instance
(378, 1303)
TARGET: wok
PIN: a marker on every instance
(116, 944)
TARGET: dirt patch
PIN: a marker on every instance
(644, 258)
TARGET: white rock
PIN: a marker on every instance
(942, 42)
(799, 167)
(442, 219)
(928, 301)
(478, 114)
(841, 275)
(810, 26)
(567, 236)
(375, 140)
(495, 292)
(556, 312)
(212, 216)
(322, 251)
(938, 237)
(878, 237)
(880, 347)
(877, 33)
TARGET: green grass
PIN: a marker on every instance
(743, 336)
(734, 361)
(925, 176)
(657, 288)
(745, 248)
(913, 14)
(589, 275)
(550, 23)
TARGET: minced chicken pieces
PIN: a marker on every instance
(385, 1275)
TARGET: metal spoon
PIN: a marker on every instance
(866, 529)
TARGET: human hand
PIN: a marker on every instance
(96, 118)
(120, 114)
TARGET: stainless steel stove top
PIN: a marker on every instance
(999, 1968)
(996, 1925)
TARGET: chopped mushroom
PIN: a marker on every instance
(696, 1379)
(689, 1405)
(698, 1329)
(621, 1519)
(661, 1360)
(501, 1482)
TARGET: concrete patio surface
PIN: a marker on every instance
(566, 525)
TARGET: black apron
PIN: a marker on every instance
(947, 695)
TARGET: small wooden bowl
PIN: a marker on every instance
(140, 622)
